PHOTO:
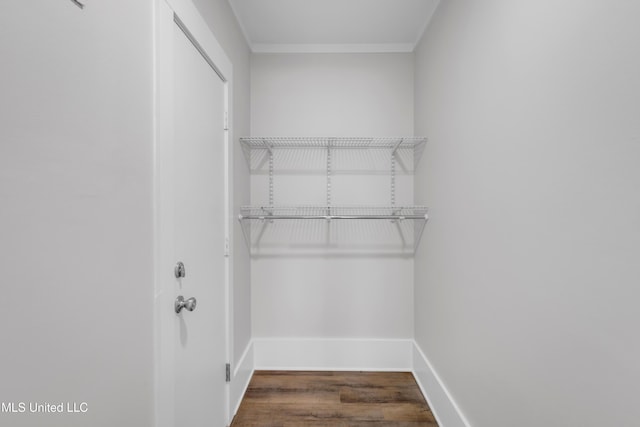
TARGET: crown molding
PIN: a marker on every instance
(334, 48)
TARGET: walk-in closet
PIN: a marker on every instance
(319, 213)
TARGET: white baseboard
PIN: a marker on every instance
(241, 376)
(442, 405)
(333, 354)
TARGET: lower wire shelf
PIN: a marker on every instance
(262, 215)
(334, 212)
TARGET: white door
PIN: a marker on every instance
(199, 234)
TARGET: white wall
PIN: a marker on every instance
(527, 277)
(311, 279)
(223, 24)
(76, 247)
(76, 153)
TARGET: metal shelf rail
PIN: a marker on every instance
(393, 213)
(271, 143)
(397, 213)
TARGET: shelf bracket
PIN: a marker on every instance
(268, 146)
(403, 240)
(245, 233)
(395, 147)
(418, 230)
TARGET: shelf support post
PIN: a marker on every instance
(329, 145)
(393, 172)
(270, 149)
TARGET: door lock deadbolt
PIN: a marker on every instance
(179, 270)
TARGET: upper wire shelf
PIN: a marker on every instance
(393, 143)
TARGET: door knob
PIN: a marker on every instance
(181, 303)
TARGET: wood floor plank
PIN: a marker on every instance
(335, 399)
(297, 396)
(409, 412)
(362, 394)
(312, 412)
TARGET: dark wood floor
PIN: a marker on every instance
(336, 399)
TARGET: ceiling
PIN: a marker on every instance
(299, 26)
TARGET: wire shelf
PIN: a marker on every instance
(407, 223)
(334, 212)
(394, 143)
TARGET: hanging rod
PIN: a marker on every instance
(404, 218)
(398, 213)
(331, 217)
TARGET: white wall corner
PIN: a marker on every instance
(241, 376)
(333, 354)
(442, 405)
(244, 31)
(425, 26)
